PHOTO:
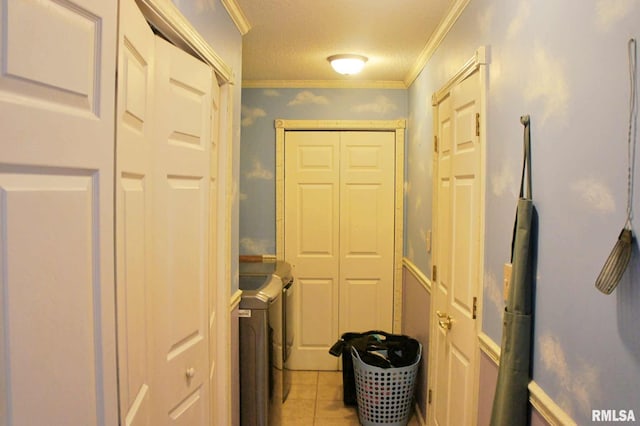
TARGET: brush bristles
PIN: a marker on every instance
(616, 263)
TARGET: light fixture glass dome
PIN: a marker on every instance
(347, 64)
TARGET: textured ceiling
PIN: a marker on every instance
(291, 39)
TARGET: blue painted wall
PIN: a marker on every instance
(260, 108)
(565, 64)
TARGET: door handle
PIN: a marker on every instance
(190, 373)
(444, 320)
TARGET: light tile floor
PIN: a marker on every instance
(316, 400)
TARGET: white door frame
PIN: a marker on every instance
(397, 126)
(477, 63)
(165, 16)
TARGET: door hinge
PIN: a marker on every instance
(429, 397)
(475, 308)
(435, 143)
(477, 124)
(434, 273)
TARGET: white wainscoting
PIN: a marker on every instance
(416, 293)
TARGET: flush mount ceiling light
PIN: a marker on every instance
(347, 64)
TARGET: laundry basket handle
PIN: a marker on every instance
(355, 353)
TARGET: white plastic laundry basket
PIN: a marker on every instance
(384, 395)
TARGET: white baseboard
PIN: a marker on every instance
(418, 415)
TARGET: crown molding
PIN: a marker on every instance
(237, 16)
(322, 84)
(436, 38)
(167, 19)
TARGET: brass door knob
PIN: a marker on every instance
(444, 320)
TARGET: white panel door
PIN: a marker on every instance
(134, 186)
(443, 260)
(181, 237)
(458, 254)
(57, 310)
(367, 187)
(312, 243)
(339, 235)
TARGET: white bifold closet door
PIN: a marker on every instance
(163, 228)
(57, 305)
(181, 236)
(339, 235)
(134, 233)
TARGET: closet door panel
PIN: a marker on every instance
(134, 187)
(312, 243)
(367, 198)
(51, 294)
(57, 305)
(181, 236)
(317, 298)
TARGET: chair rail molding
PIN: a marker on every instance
(538, 398)
(417, 274)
